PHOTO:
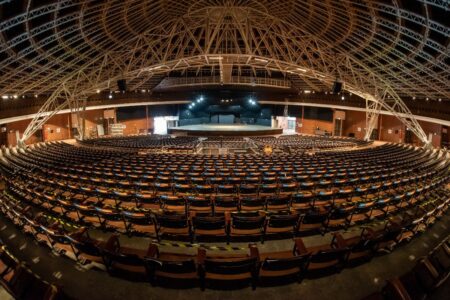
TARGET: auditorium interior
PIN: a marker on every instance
(225, 149)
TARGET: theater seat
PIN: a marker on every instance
(234, 270)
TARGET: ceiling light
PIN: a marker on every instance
(15, 96)
(342, 98)
(98, 91)
(439, 99)
(427, 99)
(110, 96)
(5, 97)
(307, 91)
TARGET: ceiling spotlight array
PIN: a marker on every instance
(198, 101)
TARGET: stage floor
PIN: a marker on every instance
(224, 130)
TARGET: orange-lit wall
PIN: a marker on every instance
(310, 126)
(354, 123)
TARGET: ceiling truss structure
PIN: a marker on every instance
(381, 50)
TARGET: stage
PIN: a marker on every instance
(224, 130)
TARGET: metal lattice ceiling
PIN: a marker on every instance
(378, 48)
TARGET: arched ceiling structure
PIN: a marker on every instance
(382, 50)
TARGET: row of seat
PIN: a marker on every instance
(429, 274)
(208, 269)
(193, 218)
(18, 281)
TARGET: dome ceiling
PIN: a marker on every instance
(378, 48)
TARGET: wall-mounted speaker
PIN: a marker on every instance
(122, 85)
(337, 87)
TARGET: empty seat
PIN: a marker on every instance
(232, 270)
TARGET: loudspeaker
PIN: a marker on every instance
(337, 87)
(122, 85)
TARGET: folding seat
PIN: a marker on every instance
(172, 225)
(248, 224)
(249, 180)
(182, 189)
(248, 189)
(313, 222)
(362, 246)
(232, 270)
(123, 198)
(181, 179)
(363, 211)
(109, 218)
(307, 186)
(269, 180)
(388, 237)
(8, 264)
(373, 191)
(323, 199)
(85, 248)
(226, 189)
(251, 203)
(324, 185)
(226, 204)
(415, 284)
(323, 259)
(163, 188)
(283, 223)
(198, 181)
(208, 226)
(267, 189)
(288, 188)
(163, 178)
(275, 269)
(286, 179)
(381, 207)
(302, 201)
(440, 259)
(215, 180)
(340, 217)
(278, 202)
(147, 200)
(359, 194)
(123, 262)
(141, 223)
(173, 203)
(171, 269)
(204, 189)
(199, 204)
(25, 285)
(343, 196)
(86, 214)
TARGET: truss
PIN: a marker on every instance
(84, 45)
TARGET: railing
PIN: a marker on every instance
(216, 80)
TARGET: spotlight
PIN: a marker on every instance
(342, 98)
(110, 96)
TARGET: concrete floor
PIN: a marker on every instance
(353, 283)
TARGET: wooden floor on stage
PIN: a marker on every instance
(224, 130)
